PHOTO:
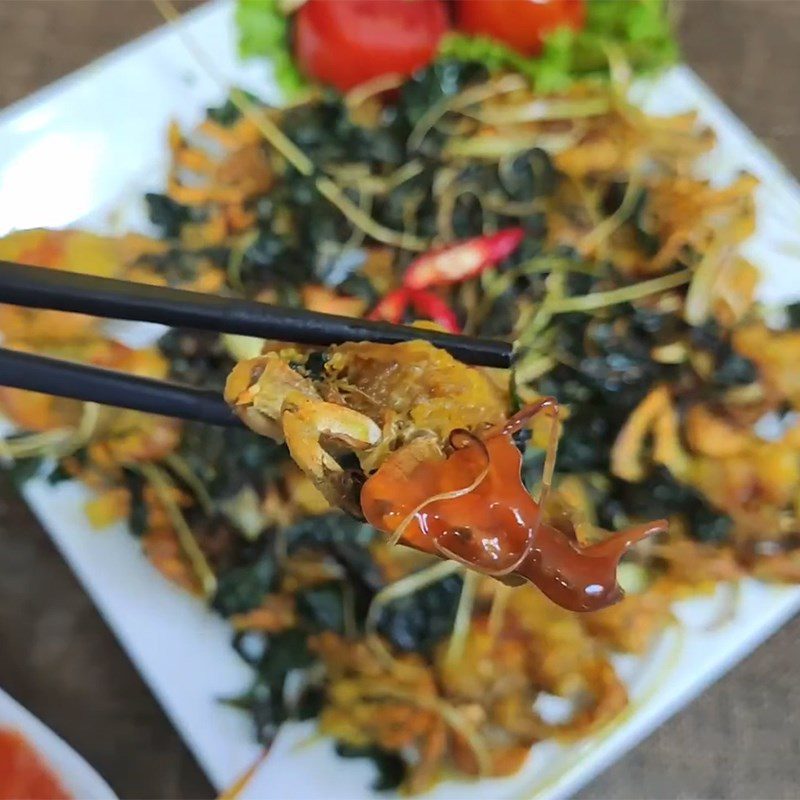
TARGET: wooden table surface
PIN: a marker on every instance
(58, 657)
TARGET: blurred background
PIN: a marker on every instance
(59, 659)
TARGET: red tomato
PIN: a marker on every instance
(521, 24)
(347, 42)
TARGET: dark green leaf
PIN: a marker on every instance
(322, 607)
(285, 651)
(228, 113)
(359, 286)
(138, 514)
(444, 78)
(417, 623)
(793, 312)
(166, 214)
(528, 175)
(274, 656)
(23, 469)
(346, 541)
(310, 703)
(314, 367)
(661, 495)
(265, 704)
(327, 530)
(708, 525)
(734, 370)
(730, 368)
(198, 358)
(243, 588)
(391, 767)
(59, 475)
(227, 460)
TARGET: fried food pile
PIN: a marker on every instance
(576, 226)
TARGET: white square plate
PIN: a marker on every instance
(94, 140)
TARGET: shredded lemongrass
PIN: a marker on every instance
(625, 294)
(234, 791)
(349, 620)
(236, 259)
(194, 555)
(383, 653)
(463, 621)
(402, 174)
(447, 205)
(533, 325)
(359, 176)
(495, 146)
(544, 110)
(451, 715)
(556, 264)
(497, 613)
(619, 67)
(550, 458)
(532, 366)
(512, 208)
(603, 230)
(701, 290)
(470, 96)
(182, 469)
(57, 443)
(451, 495)
(403, 240)
(290, 151)
(90, 416)
(494, 284)
(6, 458)
(731, 592)
(457, 126)
(35, 444)
(87, 425)
(356, 238)
(364, 91)
(591, 198)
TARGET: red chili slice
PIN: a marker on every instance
(435, 308)
(392, 306)
(462, 261)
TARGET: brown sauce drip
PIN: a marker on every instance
(496, 527)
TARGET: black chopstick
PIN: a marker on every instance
(35, 287)
(120, 389)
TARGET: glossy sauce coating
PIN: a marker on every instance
(496, 527)
(23, 774)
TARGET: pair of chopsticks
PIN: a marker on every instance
(36, 287)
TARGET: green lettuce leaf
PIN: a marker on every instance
(639, 29)
(264, 31)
